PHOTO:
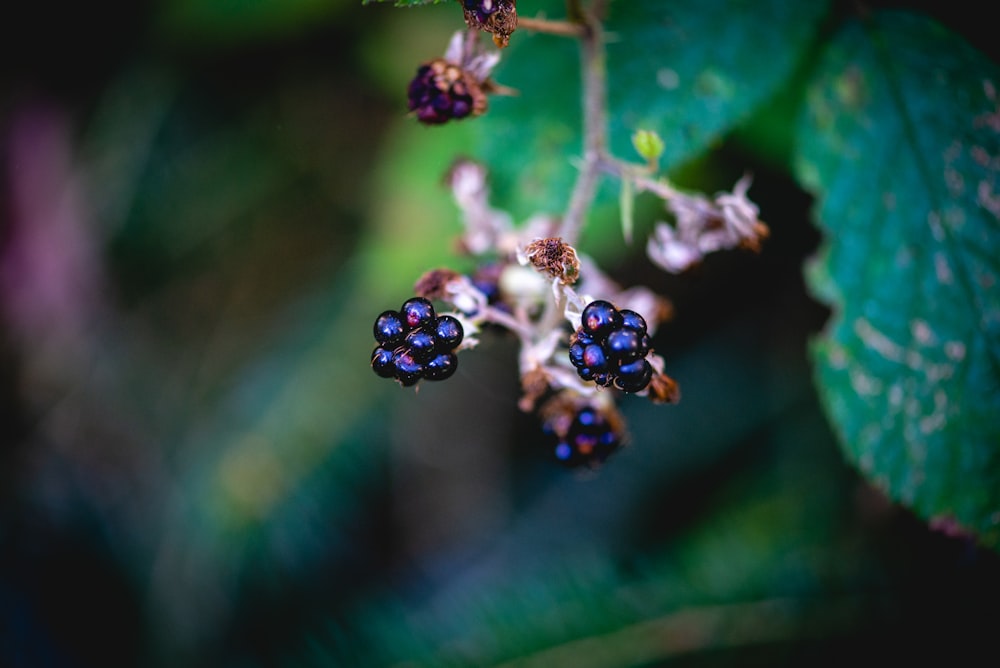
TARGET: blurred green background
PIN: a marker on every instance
(205, 203)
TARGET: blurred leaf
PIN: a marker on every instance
(701, 72)
(900, 142)
(228, 21)
(300, 406)
(753, 571)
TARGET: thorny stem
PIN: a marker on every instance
(594, 119)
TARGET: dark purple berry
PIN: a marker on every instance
(623, 345)
(461, 107)
(408, 370)
(634, 376)
(600, 318)
(416, 312)
(594, 358)
(382, 362)
(449, 332)
(420, 344)
(441, 367)
(576, 354)
(632, 320)
(389, 328)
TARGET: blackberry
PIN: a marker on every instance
(442, 91)
(494, 16)
(586, 439)
(415, 343)
(610, 347)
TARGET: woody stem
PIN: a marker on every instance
(595, 140)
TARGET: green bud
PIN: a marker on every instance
(648, 144)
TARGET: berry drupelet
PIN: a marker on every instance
(610, 347)
(415, 343)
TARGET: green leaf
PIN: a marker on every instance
(900, 142)
(688, 70)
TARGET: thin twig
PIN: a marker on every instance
(563, 28)
(594, 129)
(637, 175)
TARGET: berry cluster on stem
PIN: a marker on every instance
(584, 339)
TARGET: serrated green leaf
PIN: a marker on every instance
(687, 70)
(901, 143)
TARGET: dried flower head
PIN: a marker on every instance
(663, 389)
(704, 226)
(485, 227)
(554, 257)
(498, 17)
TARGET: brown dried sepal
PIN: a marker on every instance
(663, 389)
(554, 257)
(753, 243)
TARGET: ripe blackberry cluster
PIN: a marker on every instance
(415, 343)
(589, 439)
(442, 91)
(610, 347)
